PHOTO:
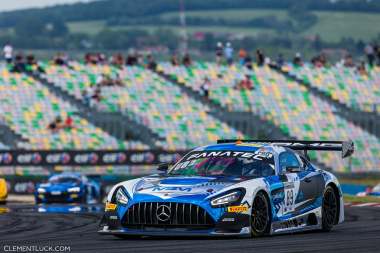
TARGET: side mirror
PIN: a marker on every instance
(163, 167)
(293, 169)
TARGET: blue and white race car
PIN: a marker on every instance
(68, 188)
(240, 188)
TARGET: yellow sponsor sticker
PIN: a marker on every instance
(110, 206)
(237, 209)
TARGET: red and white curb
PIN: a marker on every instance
(370, 204)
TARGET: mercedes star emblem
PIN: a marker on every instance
(163, 213)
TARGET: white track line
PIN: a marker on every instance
(366, 204)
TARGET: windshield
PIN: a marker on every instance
(225, 163)
(56, 180)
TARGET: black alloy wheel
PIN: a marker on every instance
(260, 217)
(329, 209)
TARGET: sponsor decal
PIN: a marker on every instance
(171, 188)
(6, 158)
(29, 158)
(237, 209)
(54, 158)
(145, 156)
(24, 187)
(258, 155)
(117, 157)
(91, 158)
(110, 207)
(83, 157)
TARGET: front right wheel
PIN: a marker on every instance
(329, 209)
(260, 217)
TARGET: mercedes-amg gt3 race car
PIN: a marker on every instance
(242, 188)
(68, 188)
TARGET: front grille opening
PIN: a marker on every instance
(145, 215)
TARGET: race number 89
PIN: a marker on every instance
(289, 200)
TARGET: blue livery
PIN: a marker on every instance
(68, 188)
(242, 188)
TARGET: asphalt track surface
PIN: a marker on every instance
(23, 225)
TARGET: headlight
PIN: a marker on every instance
(41, 190)
(121, 197)
(74, 189)
(226, 199)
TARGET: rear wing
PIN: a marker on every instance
(346, 147)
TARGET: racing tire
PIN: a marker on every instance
(329, 209)
(260, 216)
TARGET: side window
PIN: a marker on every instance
(288, 159)
(306, 163)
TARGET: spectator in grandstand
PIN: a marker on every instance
(370, 52)
(260, 58)
(92, 58)
(87, 58)
(219, 53)
(297, 60)
(102, 59)
(132, 59)
(55, 125)
(242, 56)
(205, 87)
(32, 64)
(118, 60)
(86, 97)
(8, 53)
(107, 81)
(362, 69)
(245, 84)
(186, 61)
(68, 122)
(19, 64)
(248, 62)
(97, 96)
(280, 60)
(318, 61)
(377, 52)
(174, 60)
(229, 53)
(348, 62)
(60, 59)
(152, 64)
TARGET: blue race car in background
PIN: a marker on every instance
(68, 188)
(234, 188)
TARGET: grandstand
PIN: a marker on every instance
(343, 84)
(183, 121)
(28, 107)
(286, 104)
(180, 120)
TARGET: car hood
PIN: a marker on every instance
(58, 187)
(167, 187)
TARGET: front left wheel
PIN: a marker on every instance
(260, 217)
